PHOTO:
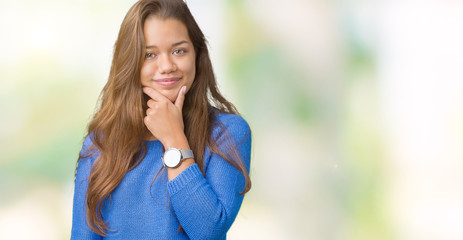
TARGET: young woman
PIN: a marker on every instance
(166, 155)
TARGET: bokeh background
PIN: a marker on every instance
(356, 109)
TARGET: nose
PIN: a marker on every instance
(166, 64)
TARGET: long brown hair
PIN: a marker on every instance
(117, 130)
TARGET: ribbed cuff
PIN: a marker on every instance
(184, 178)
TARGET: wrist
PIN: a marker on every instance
(178, 141)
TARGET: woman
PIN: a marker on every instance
(166, 155)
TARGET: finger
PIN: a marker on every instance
(153, 94)
(146, 120)
(180, 98)
(151, 103)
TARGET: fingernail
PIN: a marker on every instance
(145, 89)
(183, 90)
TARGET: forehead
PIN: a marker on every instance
(159, 32)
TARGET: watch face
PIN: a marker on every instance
(172, 157)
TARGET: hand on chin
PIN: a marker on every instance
(163, 117)
(170, 94)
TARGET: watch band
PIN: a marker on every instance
(186, 153)
(173, 157)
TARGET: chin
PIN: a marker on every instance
(170, 94)
(172, 99)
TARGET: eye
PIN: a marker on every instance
(179, 51)
(149, 55)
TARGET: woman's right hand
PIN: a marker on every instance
(164, 119)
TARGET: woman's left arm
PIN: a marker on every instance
(80, 228)
(207, 206)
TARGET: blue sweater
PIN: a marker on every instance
(142, 209)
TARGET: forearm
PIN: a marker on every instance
(203, 213)
(206, 206)
(178, 141)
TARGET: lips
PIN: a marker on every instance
(167, 81)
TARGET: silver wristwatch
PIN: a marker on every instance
(173, 156)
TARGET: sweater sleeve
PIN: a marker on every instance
(207, 206)
(80, 228)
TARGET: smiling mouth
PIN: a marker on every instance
(167, 81)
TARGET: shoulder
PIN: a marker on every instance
(230, 124)
(88, 142)
(231, 121)
(89, 153)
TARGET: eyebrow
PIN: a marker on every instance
(173, 45)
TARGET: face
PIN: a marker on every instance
(169, 57)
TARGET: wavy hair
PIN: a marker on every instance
(117, 129)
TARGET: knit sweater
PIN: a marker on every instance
(140, 208)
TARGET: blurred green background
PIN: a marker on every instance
(356, 109)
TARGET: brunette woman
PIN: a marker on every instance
(166, 155)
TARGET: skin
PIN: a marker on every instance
(166, 75)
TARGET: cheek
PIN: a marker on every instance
(189, 68)
(146, 72)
